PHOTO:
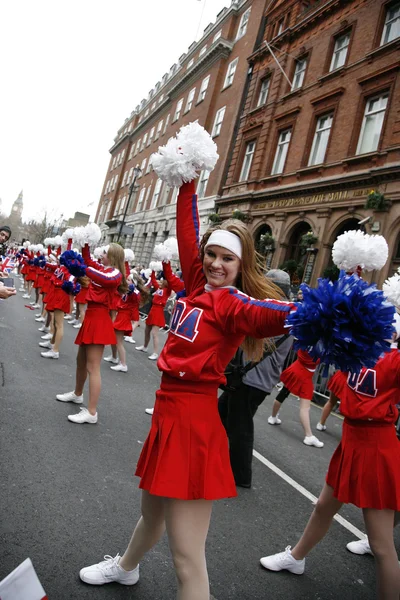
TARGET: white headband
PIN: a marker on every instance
(226, 239)
(396, 325)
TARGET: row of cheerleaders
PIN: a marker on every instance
(184, 464)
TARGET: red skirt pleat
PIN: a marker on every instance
(97, 327)
(135, 314)
(156, 316)
(186, 454)
(298, 381)
(364, 469)
(123, 321)
(60, 300)
(81, 297)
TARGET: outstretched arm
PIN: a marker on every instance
(175, 283)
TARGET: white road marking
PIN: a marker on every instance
(354, 530)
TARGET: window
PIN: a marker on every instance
(144, 142)
(130, 174)
(174, 195)
(230, 74)
(372, 124)
(391, 28)
(217, 36)
(280, 27)
(190, 99)
(281, 151)
(161, 98)
(151, 136)
(320, 141)
(141, 197)
(264, 89)
(124, 178)
(114, 163)
(137, 146)
(340, 51)
(202, 51)
(114, 182)
(153, 106)
(123, 200)
(243, 24)
(107, 187)
(147, 112)
(131, 152)
(190, 64)
(299, 72)
(202, 185)
(219, 117)
(248, 159)
(159, 128)
(178, 109)
(203, 89)
(156, 194)
(166, 123)
(143, 166)
(148, 167)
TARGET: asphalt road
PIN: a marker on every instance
(68, 495)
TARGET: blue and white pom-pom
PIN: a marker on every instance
(346, 323)
(74, 263)
(184, 156)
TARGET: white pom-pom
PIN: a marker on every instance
(155, 266)
(146, 272)
(172, 244)
(376, 252)
(48, 241)
(40, 248)
(68, 235)
(26, 244)
(99, 251)
(79, 236)
(93, 234)
(161, 252)
(391, 289)
(183, 157)
(348, 251)
(129, 255)
(58, 240)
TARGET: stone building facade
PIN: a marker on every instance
(206, 85)
(320, 131)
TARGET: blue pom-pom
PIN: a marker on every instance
(36, 261)
(180, 294)
(131, 288)
(77, 288)
(68, 287)
(345, 323)
(74, 263)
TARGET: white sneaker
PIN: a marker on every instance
(321, 427)
(43, 328)
(360, 547)
(311, 440)
(21, 289)
(36, 305)
(68, 317)
(153, 356)
(26, 296)
(83, 416)
(33, 304)
(149, 411)
(46, 344)
(50, 354)
(40, 320)
(129, 339)
(119, 367)
(283, 561)
(108, 571)
(110, 359)
(73, 321)
(274, 420)
(77, 325)
(70, 397)
(46, 336)
(142, 348)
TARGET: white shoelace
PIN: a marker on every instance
(109, 563)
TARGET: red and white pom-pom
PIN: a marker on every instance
(155, 265)
(68, 235)
(40, 248)
(26, 244)
(348, 251)
(58, 240)
(48, 241)
(376, 252)
(391, 289)
(129, 255)
(183, 157)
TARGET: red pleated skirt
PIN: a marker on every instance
(81, 297)
(365, 468)
(59, 300)
(298, 380)
(186, 454)
(97, 327)
(156, 316)
(135, 316)
(123, 321)
(24, 269)
(40, 281)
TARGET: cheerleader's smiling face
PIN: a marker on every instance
(221, 266)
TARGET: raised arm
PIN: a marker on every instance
(154, 281)
(175, 283)
(188, 230)
(88, 260)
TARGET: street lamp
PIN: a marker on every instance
(137, 171)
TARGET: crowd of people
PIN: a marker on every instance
(198, 448)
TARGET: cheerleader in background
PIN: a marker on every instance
(156, 318)
(297, 379)
(81, 302)
(363, 471)
(97, 328)
(128, 312)
(59, 304)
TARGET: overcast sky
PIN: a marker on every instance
(70, 73)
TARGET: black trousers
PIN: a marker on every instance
(237, 410)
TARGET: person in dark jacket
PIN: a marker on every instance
(237, 408)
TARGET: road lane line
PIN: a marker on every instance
(354, 530)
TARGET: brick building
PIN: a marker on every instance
(206, 85)
(312, 146)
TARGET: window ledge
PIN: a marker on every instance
(368, 156)
(215, 135)
(389, 47)
(174, 121)
(199, 101)
(186, 112)
(277, 177)
(311, 169)
(226, 87)
(339, 72)
(292, 93)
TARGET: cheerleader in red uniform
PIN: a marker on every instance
(156, 318)
(128, 312)
(297, 380)
(81, 301)
(97, 329)
(185, 456)
(363, 471)
(59, 304)
(29, 274)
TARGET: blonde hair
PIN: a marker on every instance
(251, 279)
(144, 291)
(116, 257)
